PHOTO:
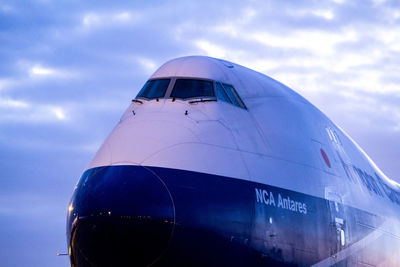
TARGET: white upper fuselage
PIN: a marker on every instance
(277, 140)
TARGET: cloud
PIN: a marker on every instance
(69, 69)
(338, 1)
(6, 8)
(11, 103)
(35, 113)
(5, 83)
(59, 113)
(100, 20)
(90, 19)
(326, 14)
(37, 70)
(147, 64)
(210, 49)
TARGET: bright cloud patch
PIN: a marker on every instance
(210, 49)
(147, 64)
(23, 112)
(326, 14)
(94, 20)
(90, 20)
(11, 103)
(41, 71)
(59, 113)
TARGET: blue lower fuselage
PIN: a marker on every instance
(140, 216)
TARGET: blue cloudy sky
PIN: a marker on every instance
(68, 69)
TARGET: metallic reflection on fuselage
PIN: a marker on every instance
(120, 218)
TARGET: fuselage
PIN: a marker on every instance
(215, 164)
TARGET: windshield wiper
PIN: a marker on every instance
(202, 100)
(137, 101)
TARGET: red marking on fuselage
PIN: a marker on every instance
(326, 159)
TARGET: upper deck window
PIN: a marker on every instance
(154, 89)
(227, 93)
(190, 88)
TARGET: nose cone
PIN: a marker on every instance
(120, 216)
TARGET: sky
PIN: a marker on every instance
(68, 70)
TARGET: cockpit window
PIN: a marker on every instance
(154, 89)
(189, 88)
(185, 88)
(227, 93)
(221, 94)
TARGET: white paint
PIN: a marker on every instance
(277, 141)
(339, 220)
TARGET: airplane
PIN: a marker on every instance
(214, 164)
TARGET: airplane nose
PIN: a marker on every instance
(122, 216)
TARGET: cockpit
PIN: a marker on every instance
(192, 90)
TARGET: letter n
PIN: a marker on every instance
(259, 195)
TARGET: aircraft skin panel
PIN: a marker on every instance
(217, 220)
(250, 83)
(214, 135)
(193, 181)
